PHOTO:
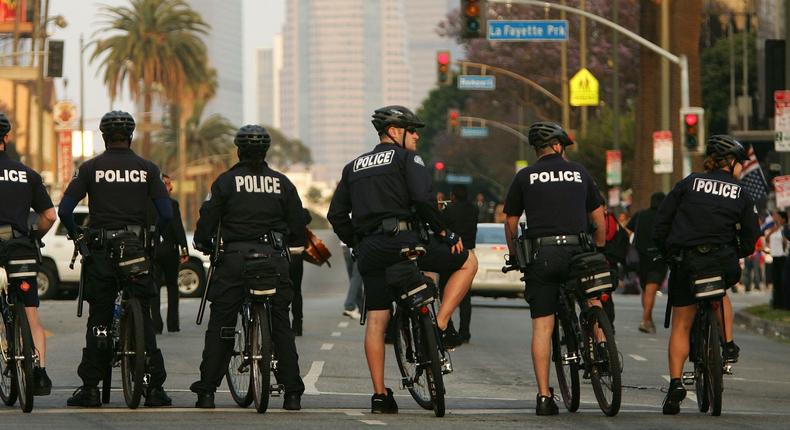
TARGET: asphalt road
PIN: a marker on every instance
(493, 383)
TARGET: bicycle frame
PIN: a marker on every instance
(246, 322)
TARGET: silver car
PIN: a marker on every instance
(490, 249)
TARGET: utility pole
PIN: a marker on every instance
(665, 124)
(745, 76)
(39, 158)
(82, 98)
(616, 78)
(566, 108)
(14, 92)
(583, 58)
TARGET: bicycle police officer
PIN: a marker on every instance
(371, 211)
(120, 186)
(258, 207)
(21, 189)
(709, 220)
(559, 198)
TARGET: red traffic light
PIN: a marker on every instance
(443, 57)
(453, 114)
(438, 165)
(691, 119)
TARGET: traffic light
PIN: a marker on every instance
(438, 171)
(443, 75)
(692, 126)
(452, 121)
(473, 18)
(55, 59)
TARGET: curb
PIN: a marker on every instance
(761, 326)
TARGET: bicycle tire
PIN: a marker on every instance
(433, 370)
(132, 353)
(261, 349)
(609, 365)
(698, 357)
(8, 389)
(714, 369)
(24, 367)
(567, 375)
(106, 384)
(240, 368)
(406, 354)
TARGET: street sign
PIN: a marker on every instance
(662, 151)
(782, 120)
(64, 113)
(520, 164)
(614, 168)
(476, 82)
(782, 189)
(528, 30)
(474, 132)
(65, 157)
(453, 178)
(584, 89)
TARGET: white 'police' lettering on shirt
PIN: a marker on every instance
(716, 188)
(374, 160)
(119, 176)
(559, 176)
(13, 176)
(258, 184)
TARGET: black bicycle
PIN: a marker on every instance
(421, 358)
(18, 355)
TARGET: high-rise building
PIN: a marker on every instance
(268, 66)
(224, 43)
(422, 19)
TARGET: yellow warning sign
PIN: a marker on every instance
(584, 89)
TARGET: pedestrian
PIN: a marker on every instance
(652, 271)
(697, 221)
(460, 216)
(171, 252)
(296, 272)
(778, 247)
(371, 211)
(21, 189)
(558, 197)
(261, 216)
(120, 186)
(354, 301)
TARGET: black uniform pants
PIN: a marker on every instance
(101, 289)
(167, 265)
(227, 293)
(296, 274)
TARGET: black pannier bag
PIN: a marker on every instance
(591, 273)
(20, 258)
(704, 267)
(410, 285)
(261, 277)
(127, 253)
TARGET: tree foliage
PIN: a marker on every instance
(716, 79)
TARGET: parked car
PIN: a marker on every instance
(56, 279)
(490, 250)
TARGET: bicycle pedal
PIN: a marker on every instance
(447, 367)
(274, 365)
(277, 390)
(406, 383)
(689, 378)
(728, 369)
(570, 359)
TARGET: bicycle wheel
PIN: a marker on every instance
(8, 392)
(132, 353)
(407, 340)
(714, 369)
(605, 370)
(239, 367)
(261, 349)
(697, 356)
(23, 342)
(563, 343)
(433, 365)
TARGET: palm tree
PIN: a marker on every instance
(152, 43)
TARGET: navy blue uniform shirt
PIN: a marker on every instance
(556, 194)
(21, 189)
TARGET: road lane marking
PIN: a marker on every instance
(373, 422)
(343, 324)
(354, 413)
(327, 346)
(312, 377)
(336, 334)
(637, 357)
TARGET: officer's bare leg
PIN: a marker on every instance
(542, 328)
(37, 330)
(374, 347)
(457, 286)
(727, 324)
(648, 300)
(682, 320)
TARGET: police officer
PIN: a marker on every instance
(21, 189)
(296, 274)
(710, 221)
(558, 198)
(371, 211)
(120, 187)
(257, 205)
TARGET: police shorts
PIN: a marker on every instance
(29, 289)
(379, 251)
(651, 272)
(545, 276)
(680, 288)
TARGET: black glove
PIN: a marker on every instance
(80, 239)
(511, 260)
(206, 248)
(451, 238)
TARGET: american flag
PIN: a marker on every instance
(752, 178)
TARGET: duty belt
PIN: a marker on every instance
(558, 240)
(403, 225)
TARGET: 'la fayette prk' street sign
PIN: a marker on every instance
(528, 30)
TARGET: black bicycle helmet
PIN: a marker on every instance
(252, 136)
(117, 123)
(5, 125)
(395, 116)
(541, 133)
(719, 146)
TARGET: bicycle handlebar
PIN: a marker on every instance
(506, 269)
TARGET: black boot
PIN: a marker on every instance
(42, 385)
(157, 397)
(86, 397)
(292, 401)
(205, 401)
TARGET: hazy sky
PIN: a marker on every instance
(262, 20)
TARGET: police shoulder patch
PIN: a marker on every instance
(418, 160)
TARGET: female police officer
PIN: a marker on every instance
(710, 221)
(257, 204)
